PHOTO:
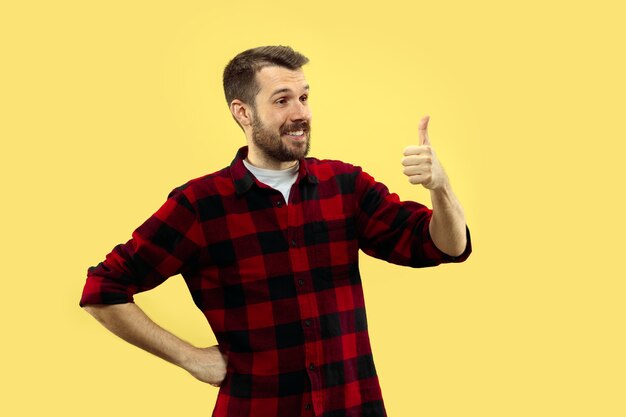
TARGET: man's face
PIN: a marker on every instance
(281, 126)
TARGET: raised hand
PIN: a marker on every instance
(420, 162)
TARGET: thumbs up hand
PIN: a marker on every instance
(420, 162)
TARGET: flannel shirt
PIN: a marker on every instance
(278, 283)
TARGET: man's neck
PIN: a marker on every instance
(261, 161)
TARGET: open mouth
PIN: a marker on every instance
(295, 133)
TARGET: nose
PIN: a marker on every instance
(301, 111)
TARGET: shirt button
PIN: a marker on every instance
(307, 406)
(300, 282)
(311, 367)
(293, 243)
(279, 204)
(307, 323)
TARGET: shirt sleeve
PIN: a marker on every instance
(166, 244)
(397, 231)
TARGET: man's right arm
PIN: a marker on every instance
(130, 323)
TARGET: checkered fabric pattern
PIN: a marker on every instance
(278, 283)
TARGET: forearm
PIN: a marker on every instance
(447, 225)
(130, 323)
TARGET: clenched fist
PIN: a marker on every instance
(420, 162)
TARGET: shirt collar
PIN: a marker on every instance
(243, 179)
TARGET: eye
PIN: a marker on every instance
(281, 101)
(304, 98)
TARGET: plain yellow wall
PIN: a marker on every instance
(107, 106)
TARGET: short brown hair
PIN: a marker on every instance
(240, 73)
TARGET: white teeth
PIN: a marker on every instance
(296, 133)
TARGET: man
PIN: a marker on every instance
(268, 247)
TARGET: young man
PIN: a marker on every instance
(269, 247)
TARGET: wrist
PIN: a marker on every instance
(443, 189)
(186, 356)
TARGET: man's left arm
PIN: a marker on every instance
(447, 225)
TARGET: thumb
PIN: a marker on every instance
(423, 131)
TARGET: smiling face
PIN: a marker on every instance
(279, 130)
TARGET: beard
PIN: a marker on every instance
(271, 144)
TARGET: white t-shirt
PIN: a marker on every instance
(280, 180)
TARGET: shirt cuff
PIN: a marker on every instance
(445, 258)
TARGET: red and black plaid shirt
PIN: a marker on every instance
(278, 283)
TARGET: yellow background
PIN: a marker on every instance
(107, 106)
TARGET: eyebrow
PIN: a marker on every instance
(286, 90)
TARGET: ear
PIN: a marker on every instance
(241, 112)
